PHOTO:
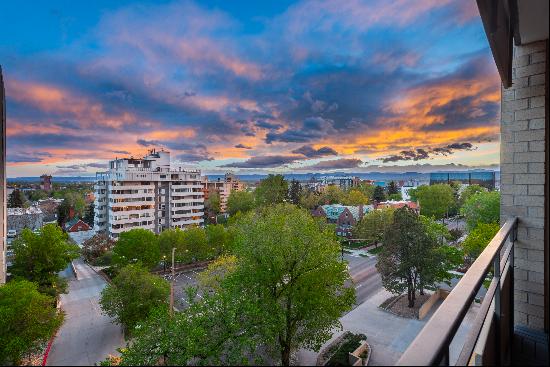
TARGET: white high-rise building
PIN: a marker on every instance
(147, 193)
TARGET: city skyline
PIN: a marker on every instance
(292, 86)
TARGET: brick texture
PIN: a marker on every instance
(523, 176)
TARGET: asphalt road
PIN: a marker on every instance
(86, 336)
(362, 270)
(365, 277)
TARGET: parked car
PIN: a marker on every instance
(12, 233)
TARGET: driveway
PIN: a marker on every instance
(389, 335)
(86, 336)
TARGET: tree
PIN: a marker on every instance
(367, 190)
(479, 238)
(211, 279)
(470, 191)
(89, 215)
(392, 188)
(483, 207)
(218, 239)
(272, 190)
(407, 251)
(290, 272)
(212, 204)
(378, 194)
(310, 200)
(240, 201)
(355, 197)
(173, 238)
(132, 295)
(373, 226)
(295, 192)
(16, 199)
(395, 197)
(435, 200)
(196, 242)
(137, 246)
(28, 318)
(63, 213)
(39, 257)
(35, 195)
(332, 195)
(97, 246)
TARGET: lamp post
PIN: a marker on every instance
(172, 284)
(164, 263)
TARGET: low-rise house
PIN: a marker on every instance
(21, 218)
(77, 225)
(344, 216)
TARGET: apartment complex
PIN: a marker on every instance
(224, 188)
(148, 193)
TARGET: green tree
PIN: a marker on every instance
(407, 251)
(16, 199)
(470, 191)
(272, 190)
(479, 238)
(195, 240)
(378, 194)
(355, 197)
(89, 215)
(35, 195)
(295, 192)
(173, 238)
(395, 197)
(39, 257)
(240, 201)
(435, 200)
(212, 204)
(373, 225)
(137, 246)
(28, 318)
(392, 188)
(63, 213)
(132, 296)
(310, 200)
(218, 239)
(332, 195)
(290, 272)
(483, 207)
(367, 190)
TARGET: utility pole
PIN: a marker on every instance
(172, 284)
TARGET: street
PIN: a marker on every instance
(86, 336)
(365, 276)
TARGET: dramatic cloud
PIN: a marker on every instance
(288, 83)
(342, 163)
(242, 146)
(420, 153)
(310, 152)
(264, 162)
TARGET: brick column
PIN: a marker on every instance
(523, 162)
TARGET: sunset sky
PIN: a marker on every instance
(248, 86)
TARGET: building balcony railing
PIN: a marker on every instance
(489, 341)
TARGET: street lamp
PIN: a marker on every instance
(164, 263)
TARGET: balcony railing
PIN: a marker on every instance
(489, 341)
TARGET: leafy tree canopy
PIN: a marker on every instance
(295, 192)
(28, 318)
(378, 194)
(240, 201)
(479, 238)
(133, 295)
(373, 226)
(39, 257)
(137, 246)
(17, 199)
(272, 190)
(96, 246)
(355, 197)
(435, 200)
(482, 207)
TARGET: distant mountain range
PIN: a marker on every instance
(376, 176)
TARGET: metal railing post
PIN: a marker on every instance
(498, 308)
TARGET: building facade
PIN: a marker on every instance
(344, 216)
(46, 182)
(486, 179)
(21, 218)
(224, 188)
(147, 193)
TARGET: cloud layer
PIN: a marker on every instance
(293, 88)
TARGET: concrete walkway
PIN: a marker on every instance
(86, 336)
(389, 335)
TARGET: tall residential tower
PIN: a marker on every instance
(147, 193)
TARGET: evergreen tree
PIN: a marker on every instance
(90, 214)
(378, 194)
(16, 199)
(295, 192)
(392, 188)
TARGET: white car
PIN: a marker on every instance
(12, 233)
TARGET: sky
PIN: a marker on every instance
(249, 86)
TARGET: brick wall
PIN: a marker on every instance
(523, 177)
